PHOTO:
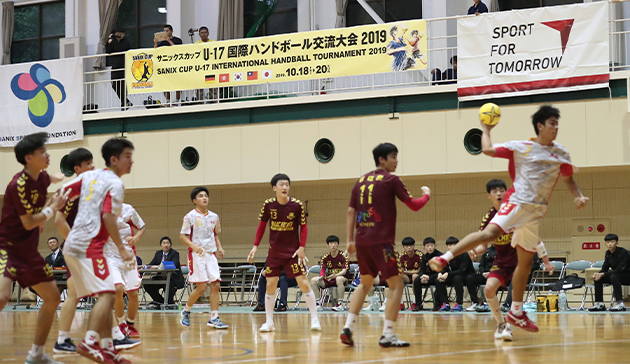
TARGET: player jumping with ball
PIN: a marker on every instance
(535, 166)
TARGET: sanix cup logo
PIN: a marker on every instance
(41, 91)
(142, 70)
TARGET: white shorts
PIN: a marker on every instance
(91, 276)
(128, 278)
(203, 269)
(523, 220)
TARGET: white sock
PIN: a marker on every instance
(495, 308)
(517, 308)
(402, 299)
(388, 329)
(37, 350)
(120, 320)
(269, 301)
(107, 343)
(63, 335)
(448, 256)
(187, 308)
(91, 337)
(350, 321)
(309, 297)
(214, 314)
(117, 334)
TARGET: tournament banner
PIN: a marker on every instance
(534, 51)
(44, 96)
(391, 47)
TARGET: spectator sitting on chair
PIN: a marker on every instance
(117, 43)
(451, 73)
(473, 281)
(336, 265)
(410, 261)
(460, 267)
(177, 278)
(477, 8)
(284, 283)
(171, 40)
(56, 259)
(427, 276)
(436, 76)
(615, 271)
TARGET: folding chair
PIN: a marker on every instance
(234, 285)
(579, 266)
(253, 295)
(537, 287)
(314, 270)
(185, 271)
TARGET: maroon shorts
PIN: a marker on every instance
(502, 274)
(290, 266)
(330, 282)
(27, 271)
(379, 258)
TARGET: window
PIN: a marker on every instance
(141, 19)
(282, 20)
(37, 30)
(388, 10)
(527, 4)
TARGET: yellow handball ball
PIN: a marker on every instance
(489, 114)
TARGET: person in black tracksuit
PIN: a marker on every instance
(615, 271)
(117, 43)
(427, 276)
(460, 267)
(473, 281)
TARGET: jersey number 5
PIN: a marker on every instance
(370, 188)
(89, 197)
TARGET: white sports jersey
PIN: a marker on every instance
(101, 191)
(200, 227)
(127, 220)
(534, 169)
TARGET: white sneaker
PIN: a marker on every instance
(43, 359)
(498, 334)
(267, 327)
(368, 308)
(382, 307)
(339, 307)
(472, 307)
(315, 326)
(506, 335)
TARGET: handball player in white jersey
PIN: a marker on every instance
(535, 166)
(199, 234)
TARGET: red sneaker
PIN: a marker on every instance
(437, 264)
(124, 328)
(133, 333)
(92, 352)
(413, 305)
(402, 307)
(522, 322)
(114, 357)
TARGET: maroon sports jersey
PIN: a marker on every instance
(284, 220)
(23, 195)
(506, 254)
(334, 264)
(412, 263)
(374, 200)
(70, 211)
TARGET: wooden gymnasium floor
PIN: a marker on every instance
(576, 337)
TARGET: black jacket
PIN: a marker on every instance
(117, 61)
(172, 256)
(424, 264)
(616, 262)
(461, 265)
(487, 260)
(59, 261)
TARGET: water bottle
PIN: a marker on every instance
(562, 297)
(374, 302)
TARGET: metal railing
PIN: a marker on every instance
(100, 91)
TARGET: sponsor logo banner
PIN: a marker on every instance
(533, 51)
(392, 47)
(44, 96)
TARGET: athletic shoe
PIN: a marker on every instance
(499, 332)
(315, 326)
(185, 321)
(505, 308)
(473, 307)
(506, 335)
(43, 359)
(618, 307)
(457, 308)
(522, 322)
(92, 352)
(346, 337)
(133, 333)
(402, 307)
(394, 342)
(217, 324)
(599, 306)
(259, 308)
(437, 264)
(126, 343)
(483, 308)
(383, 306)
(435, 308)
(416, 308)
(267, 327)
(339, 307)
(445, 307)
(114, 357)
(368, 308)
(281, 308)
(67, 347)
